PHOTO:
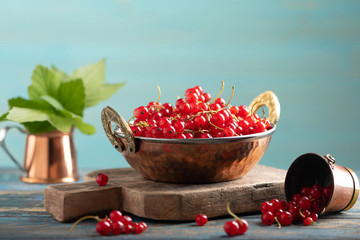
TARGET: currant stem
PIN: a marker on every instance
(252, 108)
(277, 220)
(232, 94)
(159, 93)
(233, 214)
(222, 89)
(84, 218)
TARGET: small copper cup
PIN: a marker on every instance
(311, 168)
(48, 157)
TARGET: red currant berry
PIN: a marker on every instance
(169, 132)
(116, 215)
(307, 221)
(234, 110)
(117, 227)
(103, 227)
(205, 135)
(259, 127)
(229, 132)
(304, 203)
(243, 226)
(314, 216)
(221, 101)
(141, 113)
(128, 228)
(267, 207)
(296, 197)
(315, 193)
(276, 204)
(126, 219)
(317, 205)
(285, 218)
(200, 121)
(243, 111)
(201, 219)
(102, 179)
(202, 107)
(207, 97)
(137, 131)
(180, 136)
(294, 211)
(179, 126)
(137, 228)
(267, 218)
(305, 191)
(231, 228)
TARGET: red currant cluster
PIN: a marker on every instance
(304, 206)
(196, 116)
(116, 224)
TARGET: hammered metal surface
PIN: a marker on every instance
(270, 100)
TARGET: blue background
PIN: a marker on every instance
(307, 52)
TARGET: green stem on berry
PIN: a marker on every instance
(84, 218)
(252, 108)
(222, 89)
(157, 100)
(301, 214)
(232, 94)
(133, 117)
(233, 214)
(277, 220)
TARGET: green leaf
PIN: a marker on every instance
(93, 77)
(63, 75)
(44, 82)
(84, 127)
(103, 93)
(61, 123)
(53, 102)
(22, 115)
(71, 95)
(39, 127)
(24, 103)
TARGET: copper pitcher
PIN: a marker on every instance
(48, 158)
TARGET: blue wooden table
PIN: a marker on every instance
(22, 216)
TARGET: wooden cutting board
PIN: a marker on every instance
(129, 192)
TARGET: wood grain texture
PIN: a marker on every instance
(23, 216)
(129, 192)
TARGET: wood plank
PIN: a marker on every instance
(129, 192)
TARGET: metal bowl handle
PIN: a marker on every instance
(270, 100)
(109, 115)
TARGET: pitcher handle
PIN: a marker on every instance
(3, 133)
(109, 115)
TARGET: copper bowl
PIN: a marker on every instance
(191, 160)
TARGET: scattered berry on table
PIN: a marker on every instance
(102, 179)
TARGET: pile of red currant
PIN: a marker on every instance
(305, 206)
(115, 224)
(196, 116)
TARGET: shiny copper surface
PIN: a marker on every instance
(312, 168)
(48, 157)
(186, 160)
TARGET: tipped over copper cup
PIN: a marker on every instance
(312, 168)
